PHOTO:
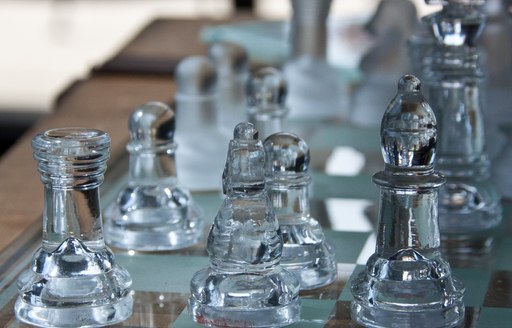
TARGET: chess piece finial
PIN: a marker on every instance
(306, 253)
(266, 97)
(244, 286)
(153, 212)
(232, 63)
(406, 281)
(202, 144)
(74, 279)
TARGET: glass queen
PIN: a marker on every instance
(406, 282)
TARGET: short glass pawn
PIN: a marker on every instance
(266, 97)
(306, 253)
(244, 286)
(73, 280)
(407, 283)
(153, 212)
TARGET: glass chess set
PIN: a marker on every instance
(261, 245)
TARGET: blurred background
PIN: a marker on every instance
(48, 44)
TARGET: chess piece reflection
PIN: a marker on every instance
(73, 279)
(153, 212)
(266, 96)
(244, 286)
(469, 204)
(407, 283)
(306, 253)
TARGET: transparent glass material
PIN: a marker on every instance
(153, 212)
(73, 279)
(315, 89)
(266, 96)
(469, 203)
(306, 253)
(232, 63)
(407, 283)
(244, 286)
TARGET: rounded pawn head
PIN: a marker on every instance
(229, 58)
(152, 123)
(196, 76)
(266, 88)
(286, 153)
(408, 130)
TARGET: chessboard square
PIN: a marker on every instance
(162, 273)
(503, 254)
(348, 214)
(348, 244)
(346, 294)
(495, 317)
(476, 282)
(341, 317)
(315, 313)
(499, 290)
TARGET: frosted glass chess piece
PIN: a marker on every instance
(153, 212)
(391, 25)
(406, 282)
(306, 253)
(266, 96)
(202, 145)
(244, 286)
(232, 63)
(469, 204)
(73, 280)
(316, 89)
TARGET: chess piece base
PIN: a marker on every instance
(244, 299)
(73, 286)
(157, 237)
(76, 316)
(308, 255)
(407, 289)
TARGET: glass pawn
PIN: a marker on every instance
(469, 203)
(244, 286)
(266, 96)
(73, 279)
(306, 253)
(153, 212)
(407, 283)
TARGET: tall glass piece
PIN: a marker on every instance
(73, 279)
(153, 212)
(306, 253)
(407, 283)
(266, 96)
(469, 205)
(244, 286)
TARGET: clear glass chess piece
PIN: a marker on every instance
(306, 253)
(153, 212)
(469, 204)
(407, 283)
(73, 280)
(232, 63)
(316, 90)
(244, 286)
(202, 143)
(266, 96)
